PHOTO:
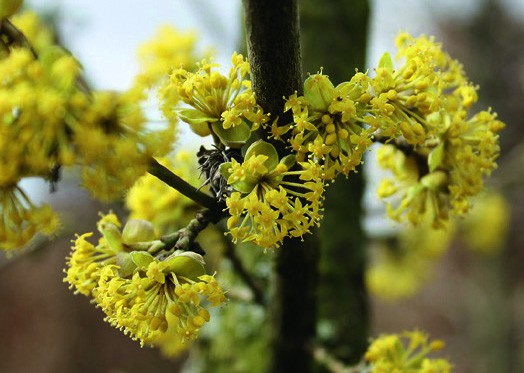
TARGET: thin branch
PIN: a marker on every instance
(188, 234)
(333, 365)
(258, 294)
(176, 182)
(15, 36)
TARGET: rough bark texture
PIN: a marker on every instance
(274, 52)
(334, 36)
(294, 307)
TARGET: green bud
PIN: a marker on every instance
(319, 91)
(9, 7)
(224, 170)
(289, 160)
(112, 235)
(126, 264)
(234, 137)
(187, 264)
(244, 186)
(435, 180)
(386, 62)
(435, 157)
(141, 258)
(199, 123)
(265, 148)
(137, 230)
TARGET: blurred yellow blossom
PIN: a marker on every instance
(153, 200)
(36, 31)
(439, 153)
(21, 220)
(485, 228)
(405, 353)
(399, 267)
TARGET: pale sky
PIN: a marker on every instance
(104, 35)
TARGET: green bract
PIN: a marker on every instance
(260, 162)
(386, 62)
(319, 91)
(264, 148)
(234, 137)
(187, 264)
(137, 230)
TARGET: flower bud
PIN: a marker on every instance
(187, 264)
(9, 7)
(319, 91)
(138, 231)
(435, 180)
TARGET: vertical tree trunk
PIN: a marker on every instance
(274, 52)
(335, 37)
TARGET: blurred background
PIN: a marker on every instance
(475, 298)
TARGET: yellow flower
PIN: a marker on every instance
(87, 260)
(21, 220)
(218, 104)
(389, 353)
(270, 199)
(115, 144)
(329, 124)
(168, 49)
(142, 295)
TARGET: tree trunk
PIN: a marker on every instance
(272, 30)
(334, 37)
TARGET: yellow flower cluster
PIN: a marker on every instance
(114, 143)
(153, 200)
(35, 97)
(37, 32)
(220, 105)
(50, 120)
(270, 199)
(169, 48)
(328, 124)
(20, 219)
(140, 294)
(441, 154)
(427, 82)
(398, 269)
(405, 353)
(484, 230)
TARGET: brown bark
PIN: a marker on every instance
(272, 30)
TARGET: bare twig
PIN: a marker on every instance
(176, 182)
(258, 294)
